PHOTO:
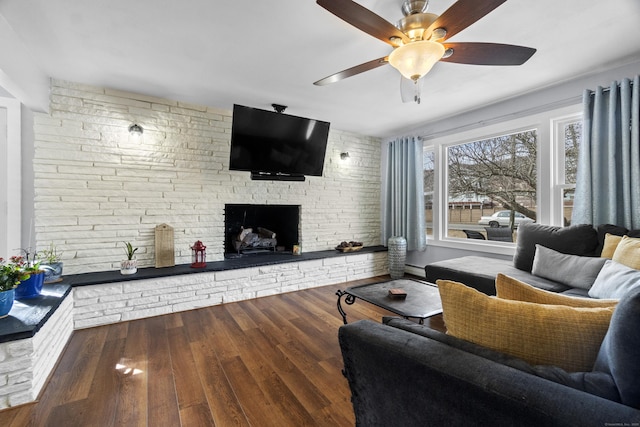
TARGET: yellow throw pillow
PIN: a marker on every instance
(513, 289)
(628, 252)
(610, 244)
(540, 334)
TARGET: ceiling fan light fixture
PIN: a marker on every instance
(415, 59)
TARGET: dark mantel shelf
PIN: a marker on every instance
(29, 315)
(231, 263)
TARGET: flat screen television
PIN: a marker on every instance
(273, 145)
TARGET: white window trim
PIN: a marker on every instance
(545, 124)
(559, 185)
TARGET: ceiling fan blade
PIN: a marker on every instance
(462, 14)
(364, 19)
(352, 71)
(488, 53)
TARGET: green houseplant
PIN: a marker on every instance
(51, 263)
(11, 274)
(129, 265)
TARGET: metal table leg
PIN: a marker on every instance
(349, 299)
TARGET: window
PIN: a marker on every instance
(428, 164)
(569, 136)
(501, 175)
(494, 177)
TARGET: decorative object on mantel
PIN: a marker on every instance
(397, 252)
(11, 274)
(165, 251)
(296, 250)
(50, 262)
(129, 265)
(6, 302)
(198, 255)
(349, 246)
(32, 285)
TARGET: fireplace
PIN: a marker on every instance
(251, 228)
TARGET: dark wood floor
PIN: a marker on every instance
(272, 361)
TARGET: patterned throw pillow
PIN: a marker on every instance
(540, 334)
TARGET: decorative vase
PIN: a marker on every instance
(52, 272)
(31, 287)
(128, 266)
(6, 302)
(397, 253)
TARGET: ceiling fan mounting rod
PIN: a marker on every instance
(411, 7)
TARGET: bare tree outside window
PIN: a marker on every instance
(498, 172)
(572, 140)
(428, 164)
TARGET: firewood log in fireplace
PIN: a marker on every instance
(247, 239)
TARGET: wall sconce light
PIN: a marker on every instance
(344, 155)
(136, 130)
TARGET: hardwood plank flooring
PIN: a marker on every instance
(272, 361)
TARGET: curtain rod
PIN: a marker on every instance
(608, 88)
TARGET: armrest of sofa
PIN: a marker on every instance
(400, 378)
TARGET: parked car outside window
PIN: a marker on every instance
(501, 219)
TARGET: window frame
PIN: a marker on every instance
(545, 123)
(559, 183)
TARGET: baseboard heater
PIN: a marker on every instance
(276, 176)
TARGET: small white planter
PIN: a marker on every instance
(128, 266)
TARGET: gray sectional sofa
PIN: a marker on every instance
(404, 374)
(480, 272)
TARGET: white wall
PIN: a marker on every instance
(10, 177)
(94, 188)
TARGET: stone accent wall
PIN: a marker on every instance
(25, 364)
(96, 187)
(96, 305)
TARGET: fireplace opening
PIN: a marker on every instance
(251, 229)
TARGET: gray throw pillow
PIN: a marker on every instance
(580, 239)
(571, 270)
(614, 281)
(620, 350)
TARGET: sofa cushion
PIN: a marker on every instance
(616, 230)
(581, 239)
(571, 270)
(480, 273)
(620, 351)
(610, 244)
(597, 383)
(628, 252)
(514, 289)
(540, 334)
(614, 281)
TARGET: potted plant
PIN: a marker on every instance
(32, 286)
(129, 265)
(50, 262)
(11, 274)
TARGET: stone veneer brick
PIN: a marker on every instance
(26, 364)
(94, 188)
(96, 305)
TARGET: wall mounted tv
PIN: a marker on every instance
(277, 146)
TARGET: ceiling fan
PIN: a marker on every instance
(418, 40)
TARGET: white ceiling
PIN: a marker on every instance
(221, 52)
